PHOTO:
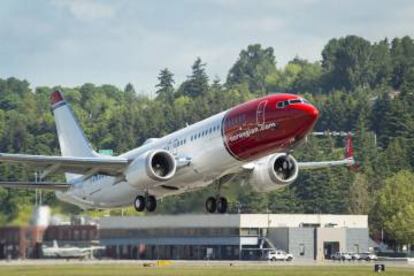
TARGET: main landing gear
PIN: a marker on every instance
(218, 204)
(147, 202)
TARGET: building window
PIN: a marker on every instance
(301, 249)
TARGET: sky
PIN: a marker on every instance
(71, 42)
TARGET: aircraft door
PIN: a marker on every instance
(261, 113)
(175, 144)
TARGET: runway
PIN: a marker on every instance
(202, 263)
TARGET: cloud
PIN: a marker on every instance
(69, 42)
(266, 24)
(86, 10)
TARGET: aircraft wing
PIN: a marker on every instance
(349, 162)
(54, 186)
(68, 164)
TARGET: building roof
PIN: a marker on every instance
(234, 221)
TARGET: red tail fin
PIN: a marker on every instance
(349, 151)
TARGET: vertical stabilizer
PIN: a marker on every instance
(72, 140)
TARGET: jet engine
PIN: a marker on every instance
(150, 168)
(274, 172)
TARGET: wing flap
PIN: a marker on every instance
(54, 186)
(68, 164)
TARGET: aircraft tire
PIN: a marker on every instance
(211, 205)
(139, 203)
(222, 205)
(151, 203)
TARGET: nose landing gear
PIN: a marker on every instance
(147, 202)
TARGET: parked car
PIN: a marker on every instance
(279, 255)
(356, 256)
(368, 256)
(341, 256)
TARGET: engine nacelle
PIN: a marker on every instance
(274, 172)
(150, 168)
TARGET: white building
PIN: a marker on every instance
(232, 236)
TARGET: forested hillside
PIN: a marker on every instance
(359, 86)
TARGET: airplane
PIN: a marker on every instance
(255, 138)
(69, 251)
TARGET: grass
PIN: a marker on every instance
(176, 270)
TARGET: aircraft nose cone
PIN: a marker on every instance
(312, 112)
(309, 113)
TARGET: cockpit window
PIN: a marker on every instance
(295, 101)
(288, 102)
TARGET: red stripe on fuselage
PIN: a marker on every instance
(259, 128)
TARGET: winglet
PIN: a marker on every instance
(349, 153)
(349, 150)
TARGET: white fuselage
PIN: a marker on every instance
(209, 161)
(216, 146)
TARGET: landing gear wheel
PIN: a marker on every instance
(139, 203)
(151, 203)
(222, 205)
(211, 204)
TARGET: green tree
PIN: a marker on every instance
(253, 66)
(197, 83)
(381, 64)
(165, 86)
(402, 55)
(347, 63)
(359, 197)
(395, 207)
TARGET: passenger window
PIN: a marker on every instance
(280, 104)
